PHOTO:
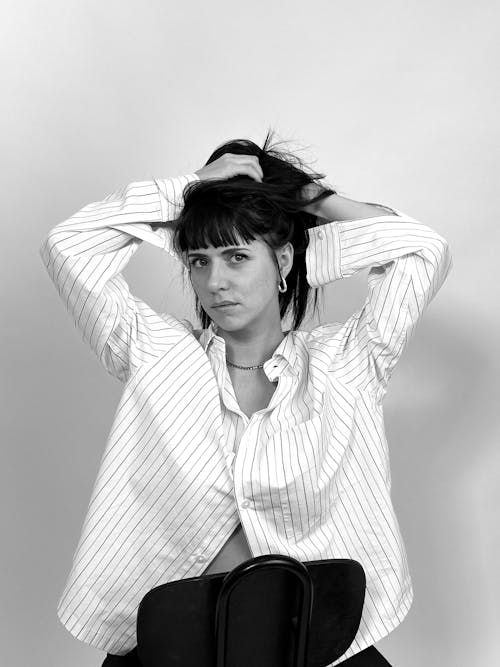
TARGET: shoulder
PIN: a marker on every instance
(320, 346)
(183, 326)
(324, 333)
(319, 336)
(316, 346)
(194, 332)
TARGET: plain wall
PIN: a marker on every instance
(397, 103)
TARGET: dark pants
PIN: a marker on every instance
(370, 657)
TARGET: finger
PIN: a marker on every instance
(248, 165)
(255, 174)
(255, 170)
(259, 168)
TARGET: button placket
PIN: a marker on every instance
(253, 423)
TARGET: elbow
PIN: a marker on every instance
(444, 258)
(49, 249)
(445, 250)
(45, 249)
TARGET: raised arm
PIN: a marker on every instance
(85, 255)
(407, 261)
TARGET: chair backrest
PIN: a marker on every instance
(270, 611)
(273, 598)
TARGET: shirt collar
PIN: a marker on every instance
(285, 355)
(208, 335)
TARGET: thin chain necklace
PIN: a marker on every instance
(244, 368)
(248, 368)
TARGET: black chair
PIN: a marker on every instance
(269, 611)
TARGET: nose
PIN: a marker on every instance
(216, 277)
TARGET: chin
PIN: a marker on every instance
(227, 325)
(230, 322)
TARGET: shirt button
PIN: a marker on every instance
(321, 236)
(201, 559)
(245, 503)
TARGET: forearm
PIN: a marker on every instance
(85, 256)
(407, 263)
(336, 207)
(134, 212)
(349, 243)
(84, 253)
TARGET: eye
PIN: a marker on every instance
(238, 257)
(194, 260)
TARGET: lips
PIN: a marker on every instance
(224, 303)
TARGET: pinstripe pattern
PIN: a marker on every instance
(309, 476)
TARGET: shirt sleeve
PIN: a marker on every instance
(85, 255)
(407, 261)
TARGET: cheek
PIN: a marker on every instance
(262, 282)
(197, 286)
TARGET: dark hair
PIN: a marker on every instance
(222, 212)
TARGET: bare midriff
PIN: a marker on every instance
(235, 551)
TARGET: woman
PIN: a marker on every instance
(240, 439)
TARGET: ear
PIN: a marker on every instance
(284, 256)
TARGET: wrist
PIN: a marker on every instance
(323, 207)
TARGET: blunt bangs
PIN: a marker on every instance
(214, 226)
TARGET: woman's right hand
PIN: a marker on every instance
(231, 164)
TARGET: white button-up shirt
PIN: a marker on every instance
(308, 476)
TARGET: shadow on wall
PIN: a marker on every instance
(440, 424)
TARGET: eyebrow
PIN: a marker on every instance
(227, 251)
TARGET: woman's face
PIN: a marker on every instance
(238, 285)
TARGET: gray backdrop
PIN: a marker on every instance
(397, 102)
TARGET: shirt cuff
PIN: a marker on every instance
(170, 191)
(171, 194)
(323, 254)
(324, 260)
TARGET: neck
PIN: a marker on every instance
(252, 347)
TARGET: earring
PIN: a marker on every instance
(282, 286)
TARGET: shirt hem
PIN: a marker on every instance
(363, 644)
(77, 629)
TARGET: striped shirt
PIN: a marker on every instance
(308, 476)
